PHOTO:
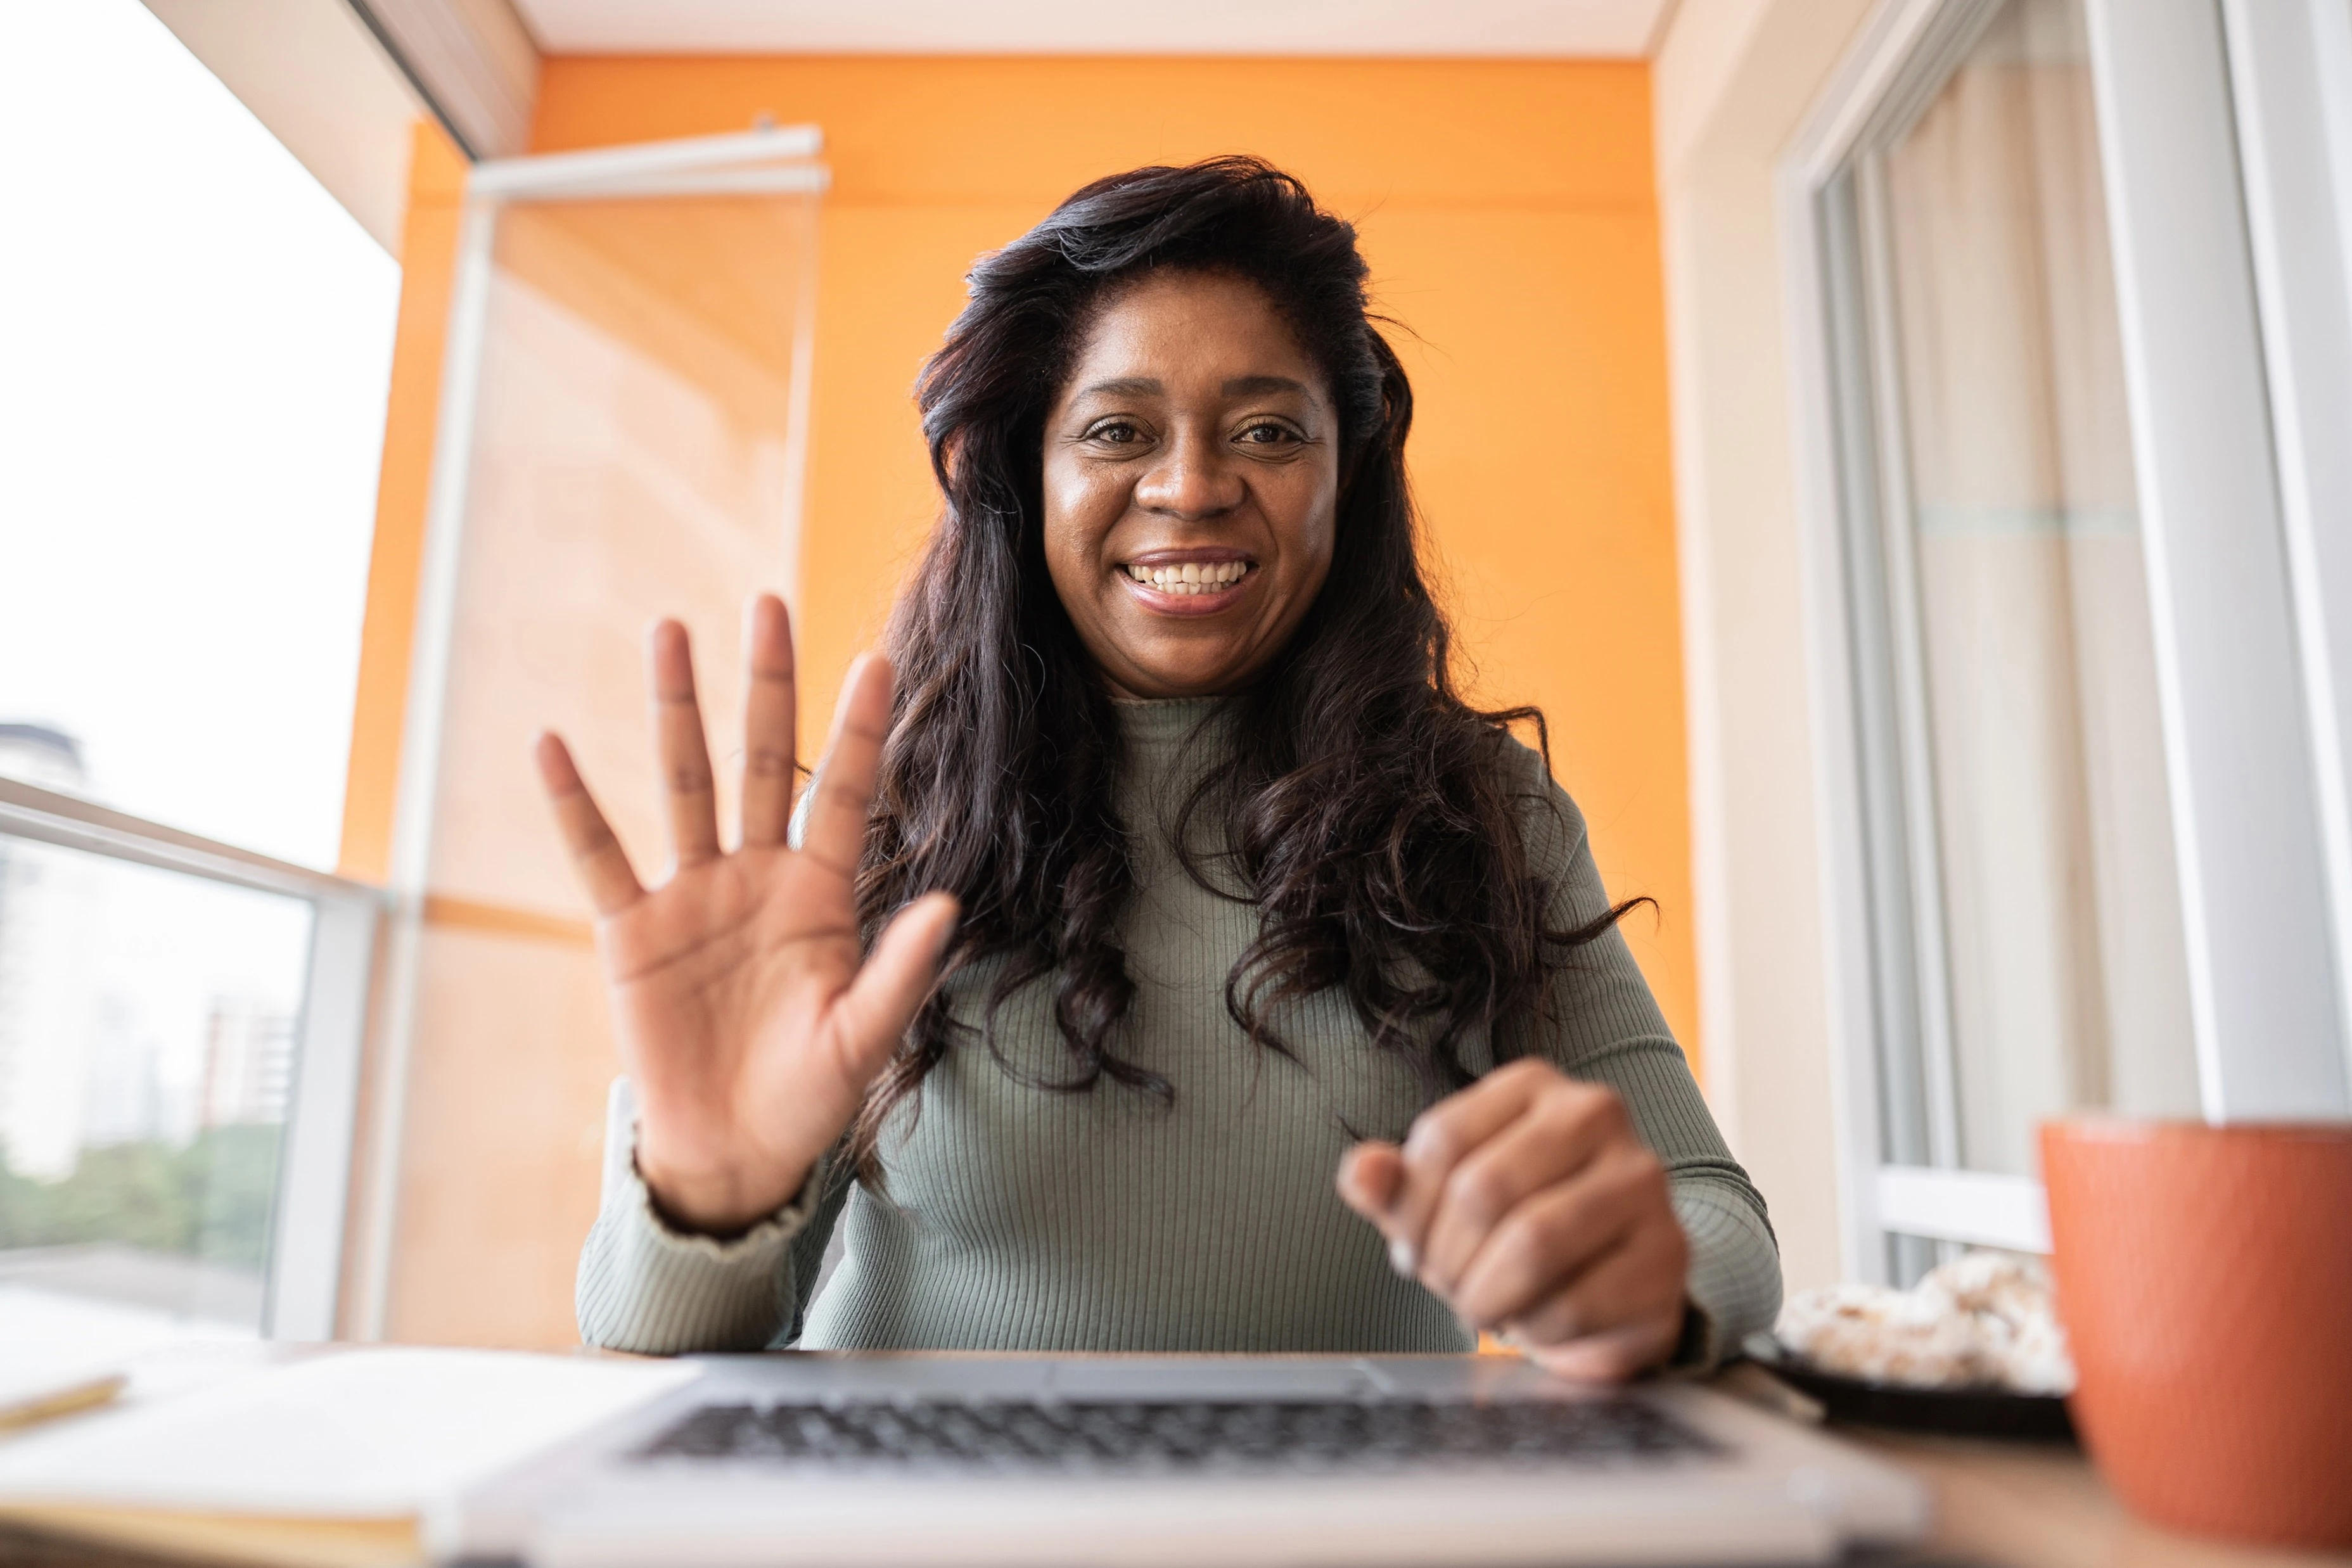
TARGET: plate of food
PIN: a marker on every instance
(1974, 1349)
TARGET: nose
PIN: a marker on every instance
(1191, 480)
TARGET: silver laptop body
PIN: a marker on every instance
(822, 1459)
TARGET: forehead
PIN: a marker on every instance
(1188, 330)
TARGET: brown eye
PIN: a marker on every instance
(1267, 435)
(1117, 432)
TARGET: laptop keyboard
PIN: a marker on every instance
(1182, 1435)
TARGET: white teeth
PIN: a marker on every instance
(1190, 577)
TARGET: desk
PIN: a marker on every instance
(2004, 1505)
(2032, 1505)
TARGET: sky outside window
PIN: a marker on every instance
(195, 341)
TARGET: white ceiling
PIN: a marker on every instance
(1457, 27)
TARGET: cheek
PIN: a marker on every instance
(1076, 524)
(1079, 511)
(1311, 526)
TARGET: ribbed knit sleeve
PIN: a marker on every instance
(646, 1288)
(1605, 1028)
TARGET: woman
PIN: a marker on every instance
(1171, 880)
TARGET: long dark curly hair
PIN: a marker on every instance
(1369, 808)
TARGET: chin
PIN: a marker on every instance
(1162, 681)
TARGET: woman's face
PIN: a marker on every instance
(1192, 474)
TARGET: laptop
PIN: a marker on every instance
(819, 1458)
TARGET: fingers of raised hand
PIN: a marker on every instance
(687, 797)
(596, 855)
(873, 1015)
(853, 763)
(770, 716)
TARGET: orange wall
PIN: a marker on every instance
(1507, 211)
(428, 255)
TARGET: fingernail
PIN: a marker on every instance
(1404, 1259)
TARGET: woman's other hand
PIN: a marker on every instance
(1529, 1206)
(746, 1020)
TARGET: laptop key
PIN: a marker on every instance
(1180, 1435)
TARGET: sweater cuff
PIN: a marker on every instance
(1735, 1276)
(648, 1288)
(1695, 1350)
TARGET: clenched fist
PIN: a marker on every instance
(1529, 1206)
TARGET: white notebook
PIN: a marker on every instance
(362, 1434)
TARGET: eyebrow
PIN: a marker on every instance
(1125, 386)
(1240, 386)
(1255, 386)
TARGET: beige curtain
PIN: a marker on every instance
(2060, 912)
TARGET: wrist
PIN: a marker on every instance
(719, 1204)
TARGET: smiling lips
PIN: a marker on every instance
(1190, 579)
(1167, 586)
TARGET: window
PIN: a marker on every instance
(147, 1036)
(2022, 860)
(180, 1031)
(2081, 797)
(2290, 79)
(198, 341)
(2015, 569)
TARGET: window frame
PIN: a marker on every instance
(2234, 600)
(2291, 88)
(303, 1294)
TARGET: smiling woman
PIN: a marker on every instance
(1260, 921)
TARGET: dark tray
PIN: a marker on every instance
(1956, 1412)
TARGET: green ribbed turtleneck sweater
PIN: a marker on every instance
(1017, 1217)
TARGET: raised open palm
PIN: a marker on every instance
(746, 1020)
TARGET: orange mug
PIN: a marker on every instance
(2204, 1275)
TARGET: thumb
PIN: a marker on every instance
(889, 988)
(1372, 1176)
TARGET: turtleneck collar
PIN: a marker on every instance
(1162, 721)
